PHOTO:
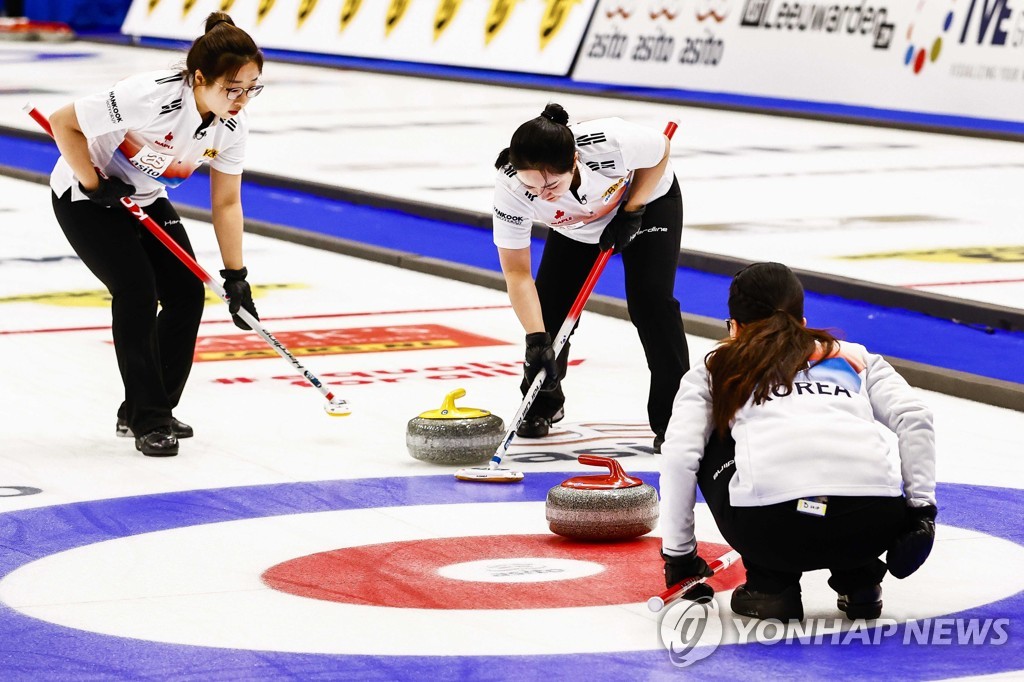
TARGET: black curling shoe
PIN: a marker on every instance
(865, 603)
(179, 429)
(785, 605)
(659, 440)
(537, 426)
(159, 442)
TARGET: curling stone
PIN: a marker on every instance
(454, 435)
(612, 506)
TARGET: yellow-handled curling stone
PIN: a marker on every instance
(454, 435)
(612, 506)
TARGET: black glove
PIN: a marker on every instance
(539, 354)
(910, 550)
(680, 568)
(622, 229)
(109, 192)
(239, 295)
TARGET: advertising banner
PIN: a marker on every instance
(958, 58)
(532, 36)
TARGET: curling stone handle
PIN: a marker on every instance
(614, 468)
(449, 400)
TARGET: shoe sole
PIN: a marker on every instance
(158, 453)
(861, 611)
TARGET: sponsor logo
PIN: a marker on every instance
(341, 341)
(396, 11)
(963, 254)
(211, 154)
(100, 298)
(349, 9)
(505, 217)
(821, 17)
(112, 110)
(622, 9)
(559, 214)
(446, 11)
(497, 15)
(555, 14)
(705, 49)
(610, 192)
(716, 10)
(165, 143)
(665, 10)
(924, 35)
(610, 45)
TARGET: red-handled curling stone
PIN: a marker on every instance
(612, 506)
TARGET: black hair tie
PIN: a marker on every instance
(548, 116)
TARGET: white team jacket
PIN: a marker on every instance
(610, 149)
(824, 438)
(147, 131)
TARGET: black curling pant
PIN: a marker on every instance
(778, 543)
(154, 350)
(650, 263)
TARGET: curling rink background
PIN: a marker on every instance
(284, 544)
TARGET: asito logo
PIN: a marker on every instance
(930, 23)
(716, 10)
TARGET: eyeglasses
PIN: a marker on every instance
(235, 93)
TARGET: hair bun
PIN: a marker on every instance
(217, 18)
(555, 112)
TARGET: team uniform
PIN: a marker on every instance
(148, 132)
(609, 151)
(805, 480)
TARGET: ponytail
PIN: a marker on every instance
(775, 345)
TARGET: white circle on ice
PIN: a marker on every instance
(520, 570)
(201, 585)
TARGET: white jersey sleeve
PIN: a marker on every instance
(130, 105)
(513, 212)
(640, 146)
(896, 405)
(688, 431)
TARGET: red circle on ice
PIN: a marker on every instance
(489, 572)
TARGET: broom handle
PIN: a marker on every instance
(678, 590)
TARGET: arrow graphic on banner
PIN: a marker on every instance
(446, 11)
(554, 18)
(348, 12)
(497, 15)
(395, 13)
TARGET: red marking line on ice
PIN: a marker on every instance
(406, 574)
(411, 311)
